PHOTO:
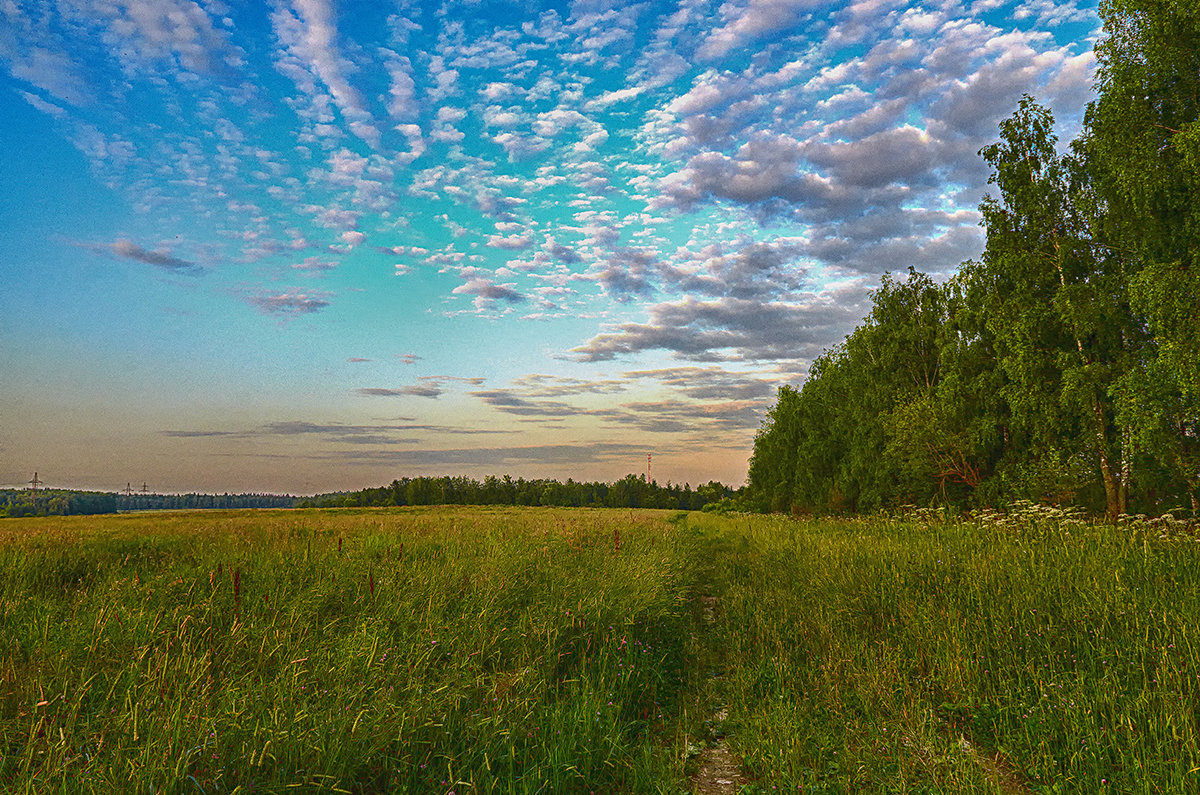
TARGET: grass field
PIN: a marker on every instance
(545, 650)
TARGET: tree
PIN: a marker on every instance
(1142, 144)
(1055, 307)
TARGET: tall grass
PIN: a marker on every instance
(519, 650)
(1033, 654)
(366, 651)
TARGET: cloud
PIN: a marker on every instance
(761, 170)
(402, 101)
(732, 329)
(415, 390)
(314, 265)
(711, 383)
(404, 251)
(487, 291)
(292, 302)
(520, 147)
(197, 434)
(49, 108)
(626, 273)
(511, 402)
(334, 217)
(556, 456)
(509, 243)
(144, 33)
(704, 183)
(308, 35)
(904, 155)
(745, 269)
(334, 432)
(677, 416)
(756, 18)
(43, 64)
(428, 386)
(159, 258)
(541, 386)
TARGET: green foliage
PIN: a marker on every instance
(1064, 365)
(70, 502)
(631, 491)
(56, 502)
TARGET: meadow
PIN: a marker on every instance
(596, 650)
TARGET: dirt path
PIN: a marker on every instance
(719, 771)
(1002, 774)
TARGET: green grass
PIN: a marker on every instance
(941, 656)
(517, 650)
(501, 650)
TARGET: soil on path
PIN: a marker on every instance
(719, 772)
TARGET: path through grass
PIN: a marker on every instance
(507, 650)
(1030, 655)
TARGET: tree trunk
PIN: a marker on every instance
(1126, 468)
(1114, 484)
(1112, 488)
(1114, 491)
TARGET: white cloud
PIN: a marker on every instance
(308, 33)
(402, 102)
(744, 24)
(291, 302)
(510, 242)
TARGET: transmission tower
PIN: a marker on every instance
(145, 489)
(128, 489)
(648, 478)
(33, 484)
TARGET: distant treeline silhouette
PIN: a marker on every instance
(632, 491)
(67, 502)
(55, 502)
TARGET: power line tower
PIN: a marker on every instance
(649, 479)
(35, 483)
(145, 492)
(128, 489)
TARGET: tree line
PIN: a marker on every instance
(55, 502)
(632, 491)
(193, 501)
(70, 502)
(1061, 366)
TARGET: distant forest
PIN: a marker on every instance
(1064, 365)
(632, 491)
(68, 502)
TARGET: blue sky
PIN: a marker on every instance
(311, 245)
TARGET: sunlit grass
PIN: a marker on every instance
(422, 651)
(518, 650)
(881, 655)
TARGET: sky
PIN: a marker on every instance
(312, 245)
